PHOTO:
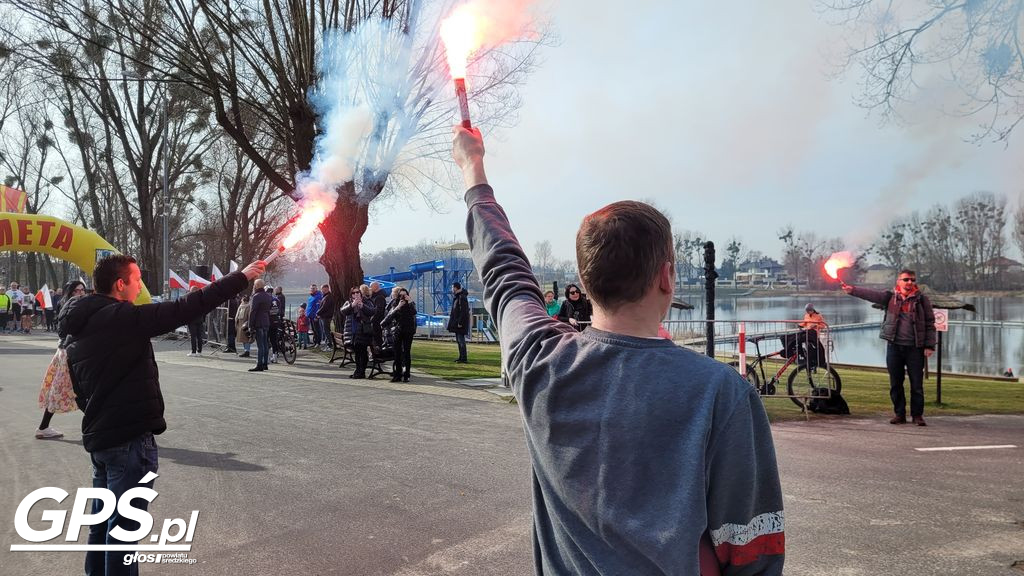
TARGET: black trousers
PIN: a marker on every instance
(362, 354)
(905, 361)
(195, 334)
(231, 333)
(403, 356)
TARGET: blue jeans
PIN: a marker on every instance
(118, 469)
(460, 339)
(263, 345)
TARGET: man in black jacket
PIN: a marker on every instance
(259, 323)
(325, 313)
(909, 330)
(458, 321)
(117, 387)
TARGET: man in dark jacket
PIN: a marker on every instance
(326, 313)
(259, 323)
(458, 321)
(909, 329)
(116, 383)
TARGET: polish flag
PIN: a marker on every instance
(217, 274)
(196, 280)
(176, 282)
(233, 267)
(43, 298)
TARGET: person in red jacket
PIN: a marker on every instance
(302, 327)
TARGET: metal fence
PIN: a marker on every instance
(758, 350)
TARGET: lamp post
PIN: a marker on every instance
(164, 274)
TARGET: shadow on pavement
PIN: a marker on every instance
(219, 461)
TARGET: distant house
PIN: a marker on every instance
(879, 275)
(762, 271)
(1002, 265)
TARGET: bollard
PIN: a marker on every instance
(743, 349)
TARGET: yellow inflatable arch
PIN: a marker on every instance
(58, 238)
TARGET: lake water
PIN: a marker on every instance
(969, 349)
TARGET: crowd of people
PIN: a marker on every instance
(22, 310)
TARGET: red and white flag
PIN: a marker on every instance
(175, 282)
(43, 298)
(196, 280)
(216, 274)
(233, 266)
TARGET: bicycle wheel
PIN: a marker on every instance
(752, 376)
(804, 384)
(289, 347)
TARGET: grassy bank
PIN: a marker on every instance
(865, 390)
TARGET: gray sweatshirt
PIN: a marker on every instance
(638, 447)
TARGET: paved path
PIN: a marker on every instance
(302, 471)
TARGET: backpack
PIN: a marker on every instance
(824, 402)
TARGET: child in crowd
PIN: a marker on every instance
(302, 327)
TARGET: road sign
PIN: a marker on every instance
(942, 320)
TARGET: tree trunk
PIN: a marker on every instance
(33, 276)
(343, 230)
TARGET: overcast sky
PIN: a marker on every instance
(726, 115)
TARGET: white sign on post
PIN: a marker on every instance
(942, 320)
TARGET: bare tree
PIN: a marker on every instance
(243, 216)
(258, 65)
(1018, 224)
(891, 244)
(734, 254)
(980, 221)
(126, 124)
(978, 42)
(26, 156)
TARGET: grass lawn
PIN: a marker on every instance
(867, 393)
(865, 390)
(437, 359)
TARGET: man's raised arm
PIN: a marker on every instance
(510, 290)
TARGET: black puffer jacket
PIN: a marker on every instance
(359, 328)
(459, 319)
(111, 359)
(400, 317)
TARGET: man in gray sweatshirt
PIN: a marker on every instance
(647, 458)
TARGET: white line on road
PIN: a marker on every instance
(951, 448)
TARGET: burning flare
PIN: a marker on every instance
(837, 261)
(459, 32)
(461, 37)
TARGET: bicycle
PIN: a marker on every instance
(287, 339)
(806, 382)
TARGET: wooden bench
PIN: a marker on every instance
(378, 357)
(338, 348)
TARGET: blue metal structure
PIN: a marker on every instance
(434, 294)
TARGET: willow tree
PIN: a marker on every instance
(976, 44)
(259, 63)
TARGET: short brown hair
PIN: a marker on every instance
(109, 270)
(620, 249)
(908, 272)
